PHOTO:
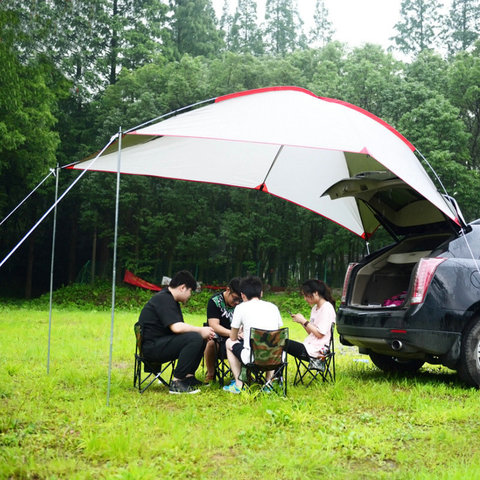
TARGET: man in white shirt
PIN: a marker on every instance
(252, 313)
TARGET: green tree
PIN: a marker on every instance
(327, 69)
(234, 72)
(435, 126)
(421, 80)
(419, 26)
(194, 28)
(91, 41)
(322, 30)
(150, 91)
(245, 35)
(28, 142)
(371, 80)
(429, 69)
(464, 92)
(282, 26)
(462, 25)
(225, 23)
(435, 129)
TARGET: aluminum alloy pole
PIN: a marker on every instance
(114, 270)
(57, 174)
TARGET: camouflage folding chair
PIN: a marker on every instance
(311, 368)
(267, 353)
(151, 370)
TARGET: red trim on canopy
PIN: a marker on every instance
(373, 117)
(262, 187)
(262, 90)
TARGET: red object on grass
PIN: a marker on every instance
(132, 279)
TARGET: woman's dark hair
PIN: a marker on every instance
(309, 287)
(184, 277)
(251, 287)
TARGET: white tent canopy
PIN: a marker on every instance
(282, 140)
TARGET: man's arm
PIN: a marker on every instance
(219, 329)
(207, 333)
(234, 334)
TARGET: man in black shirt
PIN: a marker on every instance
(220, 309)
(167, 337)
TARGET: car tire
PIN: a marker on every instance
(469, 362)
(395, 365)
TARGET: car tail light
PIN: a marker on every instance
(426, 269)
(346, 281)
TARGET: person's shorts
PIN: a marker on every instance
(237, 349)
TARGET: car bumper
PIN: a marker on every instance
(387, 332)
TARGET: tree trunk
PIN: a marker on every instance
(94, 257)
(104, 257)
(28, 280)
(72, 252)
(113, 49)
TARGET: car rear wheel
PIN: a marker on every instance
(469, 364)
(394, 364)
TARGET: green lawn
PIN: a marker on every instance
(365, 426)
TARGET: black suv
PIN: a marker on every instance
(417, 300)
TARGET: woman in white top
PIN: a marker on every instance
(319, 327)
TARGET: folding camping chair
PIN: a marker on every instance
(222, 368)
(311, 368)
(152, 370)
(267, 352)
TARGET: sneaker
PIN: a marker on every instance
(232, 388)
(182, 386)
(193, 382)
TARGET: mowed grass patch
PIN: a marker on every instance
(366, 425)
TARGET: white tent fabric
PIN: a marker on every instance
(283, 140)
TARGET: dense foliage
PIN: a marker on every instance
(98, 297)
(72, 72)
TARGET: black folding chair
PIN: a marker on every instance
(311, 368)
(267, 353)
(151, 370)
(222, 367)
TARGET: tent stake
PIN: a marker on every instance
(56, 173)
(114, 269)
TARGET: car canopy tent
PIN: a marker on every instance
(281, 140)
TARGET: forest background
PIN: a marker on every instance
(73, 72)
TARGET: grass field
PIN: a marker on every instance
(365, 426)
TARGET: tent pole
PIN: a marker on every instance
(114, 269)
(56, 173)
